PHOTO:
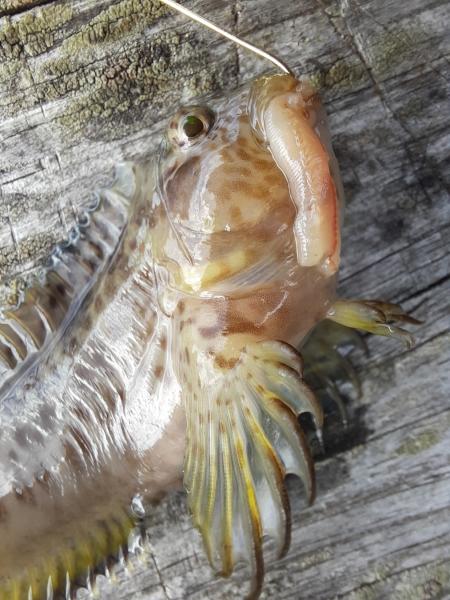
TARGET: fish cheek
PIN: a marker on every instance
(180, 187)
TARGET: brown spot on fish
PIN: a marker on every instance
(98, 303)
(89, 264)
(7, 356)
(242, 154)
(95, 249)
(259, 191)
(224, 363)
(263, 165)
(11, 336)
(163, 342)
(221, 361)
(60, 285)
(44, 479)
(110, 286)
(211, 332)
(239, 324)
(72, 345)
(52, 308)
(29, 319)
(236, 214)
(159, 370)
(241, 187)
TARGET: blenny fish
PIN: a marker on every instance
(161, 343)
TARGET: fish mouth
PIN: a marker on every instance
(266, 88)
(262, 91)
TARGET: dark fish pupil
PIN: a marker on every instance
(193, 126)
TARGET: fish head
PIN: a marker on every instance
(226, 204)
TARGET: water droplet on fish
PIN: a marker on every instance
(67, 585)
(319, 436)
(90, 580)
(137, 506)
(121, 558)
(74, 235)
(136, 541)
(94, 203)
(84, 220)
(49, 589)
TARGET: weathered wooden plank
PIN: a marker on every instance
(84, 84)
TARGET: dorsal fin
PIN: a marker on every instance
(73, 268)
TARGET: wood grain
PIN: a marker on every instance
(86, 83)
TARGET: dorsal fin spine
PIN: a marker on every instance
(71, 270)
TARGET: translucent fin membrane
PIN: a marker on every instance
(71, 272)
(243, 438)
(327, 368)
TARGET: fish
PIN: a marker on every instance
(160, 348)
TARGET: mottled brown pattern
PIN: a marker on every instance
(7, 356)
(224, 363)
(212, 331)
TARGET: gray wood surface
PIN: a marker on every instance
(85, 83)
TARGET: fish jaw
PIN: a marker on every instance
(288, 116)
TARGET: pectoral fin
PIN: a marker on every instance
(243, 437)
(373, 316)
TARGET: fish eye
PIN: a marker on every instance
(193, 126)
(190, 125)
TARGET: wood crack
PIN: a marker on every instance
(20, 10)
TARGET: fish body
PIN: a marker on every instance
(160, 345)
